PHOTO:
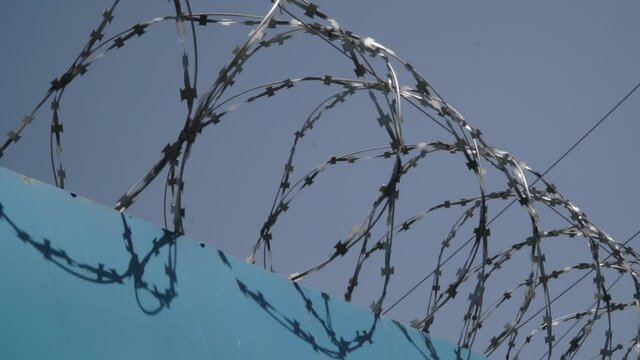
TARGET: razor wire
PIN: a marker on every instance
(377, 70)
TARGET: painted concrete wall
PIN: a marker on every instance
(81, 281)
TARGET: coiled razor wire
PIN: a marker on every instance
(376, 70)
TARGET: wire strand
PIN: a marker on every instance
(594, 127)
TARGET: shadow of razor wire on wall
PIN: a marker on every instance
(105, 275)
(339, 345)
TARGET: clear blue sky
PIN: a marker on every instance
(533, 77)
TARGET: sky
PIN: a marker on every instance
(534, 77)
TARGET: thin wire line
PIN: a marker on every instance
(592, 129)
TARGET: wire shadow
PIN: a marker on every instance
(101, 274)
(341, 344)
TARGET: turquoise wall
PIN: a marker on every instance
(81, 281)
